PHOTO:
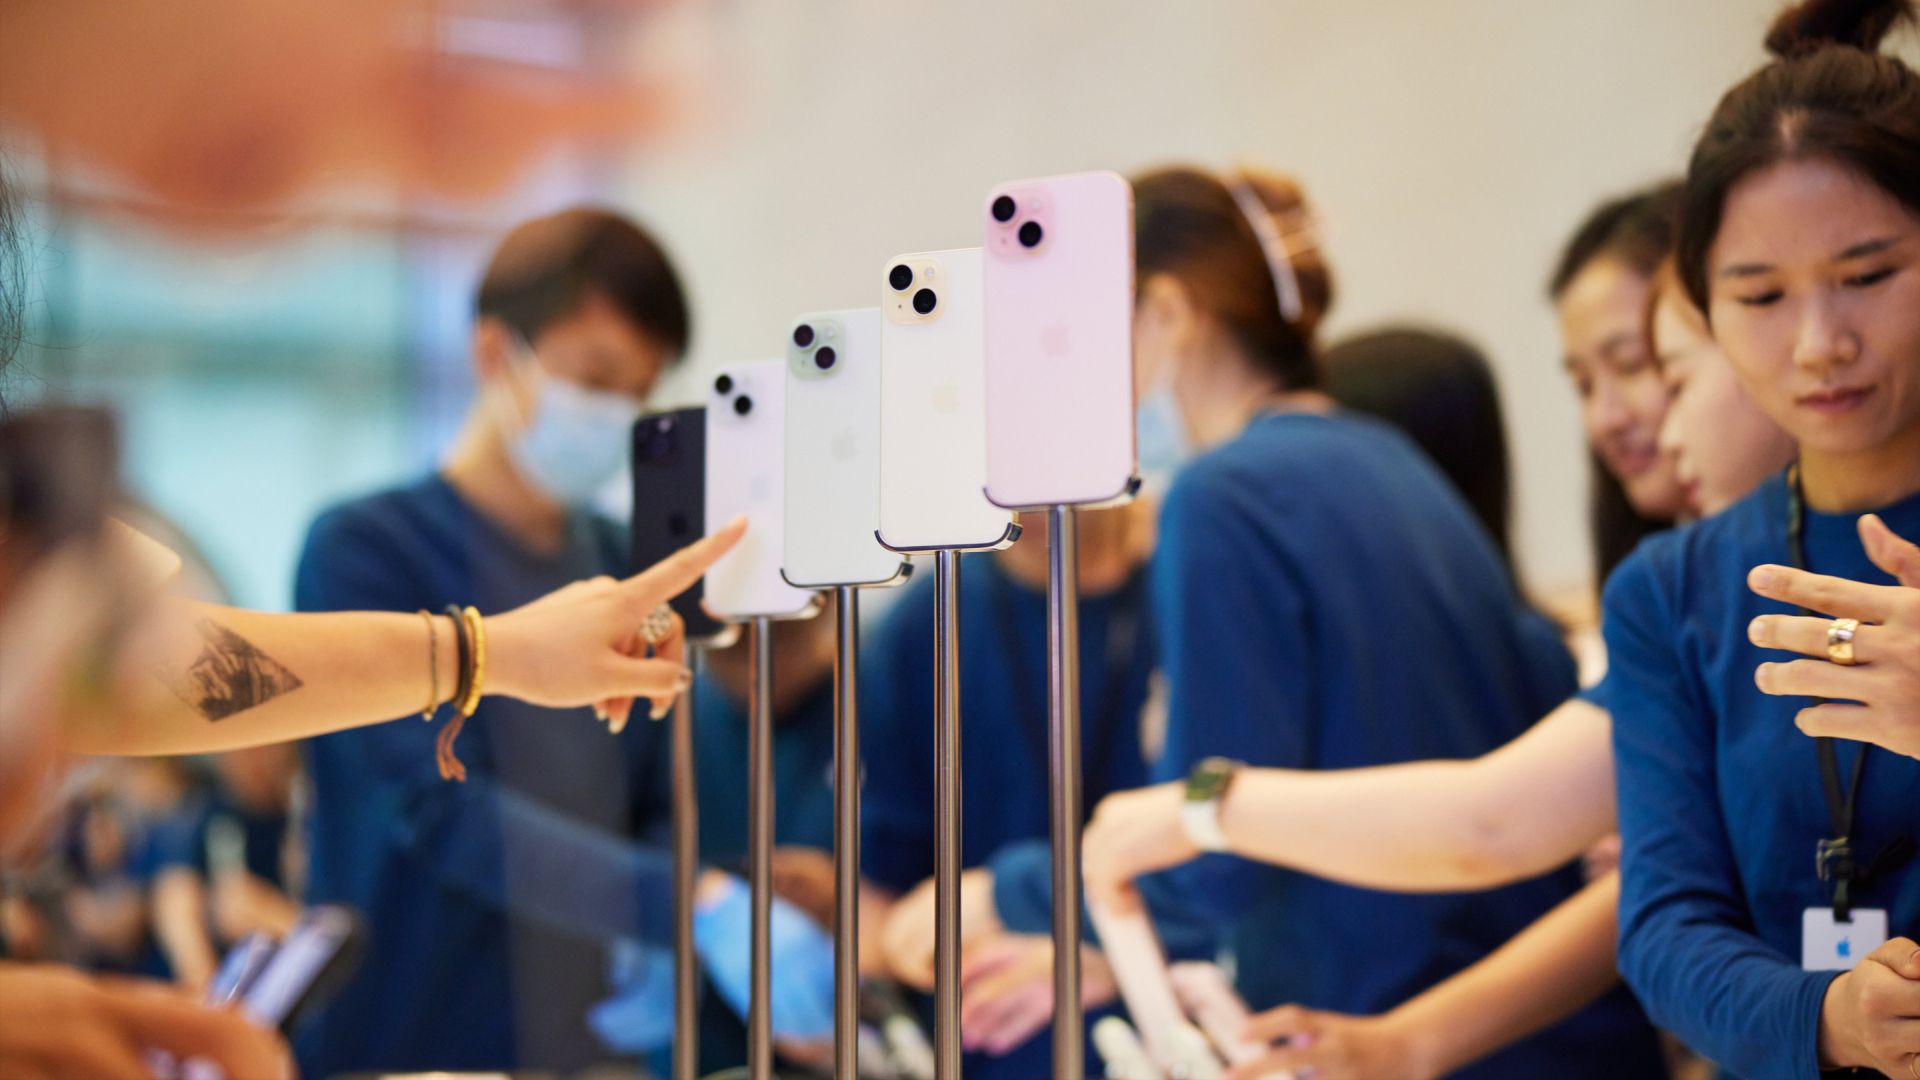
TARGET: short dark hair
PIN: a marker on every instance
(546, 268)
(1829, 96)
(1637, 228)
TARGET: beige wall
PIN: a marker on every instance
(1450, 144)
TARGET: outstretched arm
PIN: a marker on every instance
(1422, 826)
(203, 678)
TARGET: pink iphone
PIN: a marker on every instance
(1059, 341)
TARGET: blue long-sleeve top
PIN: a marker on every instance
(487, 903)
(1721, 801)
(1003, 742)
(1323, 599)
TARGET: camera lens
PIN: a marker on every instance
(743, 404)
(900, 277)
(824, 358)
(723, 385)
(924, 300)
(803, 335)
(1030, 234)
(1003, 208)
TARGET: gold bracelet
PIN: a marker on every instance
(433, 667)
(477, 630)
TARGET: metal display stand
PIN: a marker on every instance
(760, 846)
(846, 834)
(1063, 714)
(946, 786)
(686, 861)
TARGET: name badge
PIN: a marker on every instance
(1828, 945)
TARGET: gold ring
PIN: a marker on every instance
(1840, 641)
(658, 625)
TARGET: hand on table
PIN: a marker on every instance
(909, 934)
(1006, 989)
(1877, 699)
(1335, 1046)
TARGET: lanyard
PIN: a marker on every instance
(1833, 855)
(1123, 639)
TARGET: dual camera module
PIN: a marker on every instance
(723, 386)
(1030, 232)
(824, 357)
(901, 278)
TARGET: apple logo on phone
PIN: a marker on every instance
(946, 398)
(1056, 339)
(846, 446)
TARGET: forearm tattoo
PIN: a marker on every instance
(231, 675)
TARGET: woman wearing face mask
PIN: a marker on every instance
(1762, 870)
(1300, 624)
(1523, 809)
(488, 903)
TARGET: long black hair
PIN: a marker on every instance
(1829, 96)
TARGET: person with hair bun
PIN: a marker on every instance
(1323, 599)
(1769, 893)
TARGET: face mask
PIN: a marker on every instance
(1161, 436)
(575, 441)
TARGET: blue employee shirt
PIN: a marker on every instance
(488, 903)
(180, 838)
(1003, 736)
(803, 813)
(1325, 600)
(1721, 801)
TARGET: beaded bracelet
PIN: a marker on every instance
(433, 666)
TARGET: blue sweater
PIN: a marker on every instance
(1324, 600)
(1003, 742)
(488, 902)
(1720, 795)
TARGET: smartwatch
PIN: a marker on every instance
(1200, 811)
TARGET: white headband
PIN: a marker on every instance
(1273, 246)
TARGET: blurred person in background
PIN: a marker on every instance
(101, 658)
(1005, 813)
(490, 903)
(1517, 811)
(228, 862)
(1339, 568)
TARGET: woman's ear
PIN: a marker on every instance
(1164, 308)
(492, 346)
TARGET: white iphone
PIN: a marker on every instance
(833, 453)
(933, 422)
(746, 454)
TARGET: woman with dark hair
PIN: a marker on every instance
(1769, 895)
(1300, 626)
(1440, 390)
(1599, 288)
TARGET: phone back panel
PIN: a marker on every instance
(669, 501)
(1059, 340)
(746, 455)
(833, 452)
(933, 425)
